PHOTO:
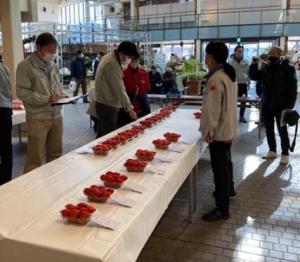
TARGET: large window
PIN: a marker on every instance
(80, 13)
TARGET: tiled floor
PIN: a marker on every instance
(265, 215)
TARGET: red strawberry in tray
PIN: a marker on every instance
(112, 142)
(145, 155)
(98, 194)
(172, 137)
(101, 149)
(134, 165)
(161, 144)
(78, 214)
(113, 179)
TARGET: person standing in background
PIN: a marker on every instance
(155, 80)
(279, 94)
(6, 158)
(137, 86)
(38, 86)
(241, 67)
(110, 92)
(96, 62)
(219, 125)
(78, 73)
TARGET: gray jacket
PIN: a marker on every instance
(241, 70)
(109, 86)
(5, 87)
(36, 82)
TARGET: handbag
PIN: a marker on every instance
(292, 119)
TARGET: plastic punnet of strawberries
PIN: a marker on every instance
(78, 214)
(135, 165)
(113, 179)
(145, 155)
(161, 144)
(99, 194)
(112, 142)
(101, 149)
(172, 137)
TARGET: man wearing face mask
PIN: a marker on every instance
(137, 86)
(78, 73)
(38, 85)
(241, 68)
(279, 93)
(110, 92)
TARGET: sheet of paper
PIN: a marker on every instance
(122, 200)
(66, 100)
(84, 150)
(104, 221)
(135, 187)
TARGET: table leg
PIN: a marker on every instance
(20, 133)
(195, 187)
(190, 182)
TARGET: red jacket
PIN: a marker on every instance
(134, 79)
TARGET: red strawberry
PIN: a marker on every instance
(82, 205)
(74, 213)
(71, 206)
(65, 212)
(84, 215)
(91, 209)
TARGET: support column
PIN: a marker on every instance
(10, 15)
(198, 49)
(197, 42)
(286, 5)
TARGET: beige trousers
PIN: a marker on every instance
(44, 141)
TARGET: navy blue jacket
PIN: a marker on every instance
(78, 70)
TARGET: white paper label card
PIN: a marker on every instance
(135, 187)
(104, 221)
(84, 150)
(176, 149)
(122, 200)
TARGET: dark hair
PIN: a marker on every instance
(153, 67)
(237, 47)
(128, 48)
(44, 39)
(219, 51)
(79, 52)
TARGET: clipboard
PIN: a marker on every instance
(67, 100)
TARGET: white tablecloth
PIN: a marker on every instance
(18, 117)
(31, 228)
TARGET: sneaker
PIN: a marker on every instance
(232, 193)
(243, 120)
(215, 215)
(284, 160)
(270, 155)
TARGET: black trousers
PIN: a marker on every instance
(107, 119)
(269, 115)
(242, 90)
(220, 159)
(6, 160)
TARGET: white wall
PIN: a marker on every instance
(24, 5)
(47, 11)
(166, 9)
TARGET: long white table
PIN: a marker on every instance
(31, 228)
(19, 118)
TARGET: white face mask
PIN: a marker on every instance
(49, 57)
(81, 56)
